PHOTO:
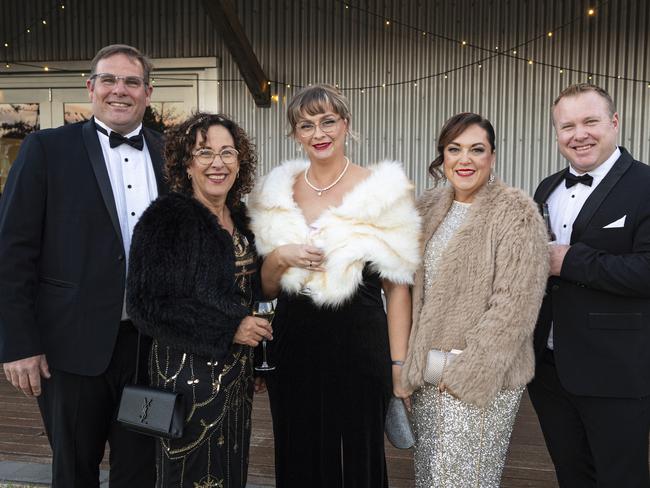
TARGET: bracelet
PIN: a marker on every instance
(397, 363)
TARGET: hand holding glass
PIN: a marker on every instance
(265, 310)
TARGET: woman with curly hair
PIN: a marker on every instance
(192, 280)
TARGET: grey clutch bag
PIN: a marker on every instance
(437, 361)
(398, 426)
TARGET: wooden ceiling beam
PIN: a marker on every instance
(225, 18)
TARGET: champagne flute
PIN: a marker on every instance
(265, 310)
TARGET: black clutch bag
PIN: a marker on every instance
(151, 411)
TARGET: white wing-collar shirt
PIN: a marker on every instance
(564, 205)
(133, 182)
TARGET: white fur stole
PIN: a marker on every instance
(376, 223)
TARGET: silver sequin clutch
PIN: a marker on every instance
(437, 361)
(398, 425)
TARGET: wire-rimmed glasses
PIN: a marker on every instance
(206, 157)
(109, 80)
(327, 125)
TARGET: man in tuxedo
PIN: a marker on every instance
(592, 383)
(70, 204)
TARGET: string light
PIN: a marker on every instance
(275, 98)
(414, 82)
(6, 44)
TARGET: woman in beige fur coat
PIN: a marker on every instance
(479, 291)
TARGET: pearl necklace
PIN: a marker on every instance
(319, 191)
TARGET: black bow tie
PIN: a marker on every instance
(570, 179)
(115, 139)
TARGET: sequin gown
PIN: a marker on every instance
(458, 444)
(330, 390)
(213, 452)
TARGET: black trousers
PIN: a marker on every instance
(79, 413)
(593, 441)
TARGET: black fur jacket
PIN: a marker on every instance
(181, 281)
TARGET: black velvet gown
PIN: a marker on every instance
(330, 390)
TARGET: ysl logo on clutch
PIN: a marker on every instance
(145, 409)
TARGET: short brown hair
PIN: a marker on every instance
(313, 100)
(130, 51)
(179, 145)
(454, 127)
(580, 88)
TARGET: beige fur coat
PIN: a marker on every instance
(376, 223)
(486, 295)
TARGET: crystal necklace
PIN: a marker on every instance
(319, 191)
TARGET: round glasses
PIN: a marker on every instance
(207, 156)
(307, 129)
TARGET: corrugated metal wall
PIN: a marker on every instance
(301, 42)
(160, 28)
(305, 41)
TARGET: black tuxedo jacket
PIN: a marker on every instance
(600, 304)
(62, 258)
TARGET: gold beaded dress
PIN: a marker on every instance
(458, 445)
(218, 396)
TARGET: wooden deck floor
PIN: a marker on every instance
(528, 465)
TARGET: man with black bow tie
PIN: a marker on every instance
(592, 383)
(71, 201)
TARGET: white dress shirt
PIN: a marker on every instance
(564, 205)
(133, 182)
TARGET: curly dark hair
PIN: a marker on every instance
(454, 127)
(179, 145)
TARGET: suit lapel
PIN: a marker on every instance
(546, 188)
(599, 194)
(98, 164)
(155, 146)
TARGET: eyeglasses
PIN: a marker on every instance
(109, 80)
(207, 156)
(307, 129)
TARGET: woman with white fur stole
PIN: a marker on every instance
(334, 235)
